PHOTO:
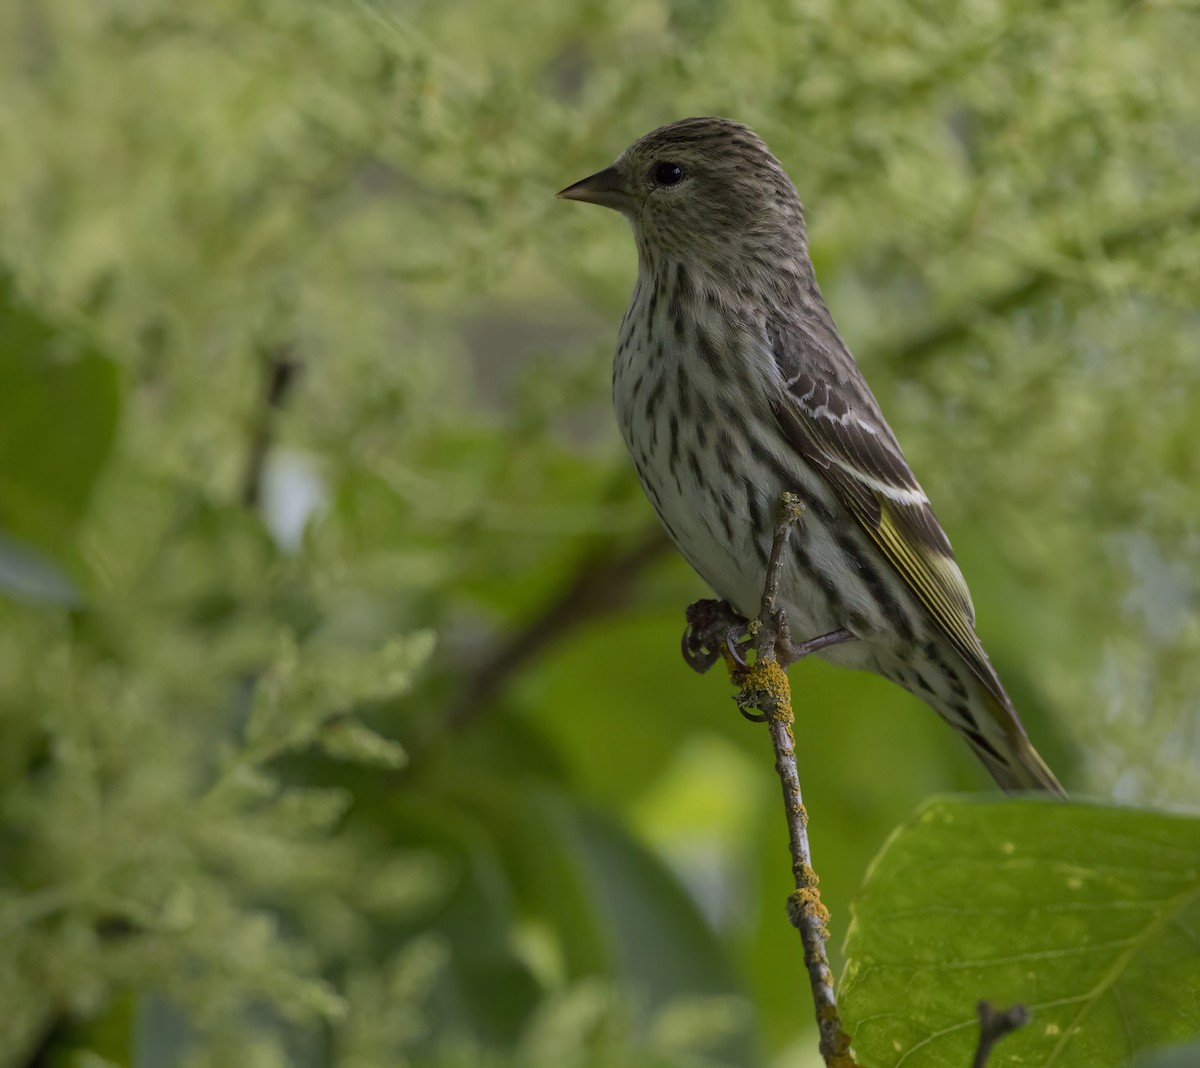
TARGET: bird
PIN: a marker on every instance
(732, 386)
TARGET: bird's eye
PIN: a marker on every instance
(667, 173)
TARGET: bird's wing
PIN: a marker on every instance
(827, 411)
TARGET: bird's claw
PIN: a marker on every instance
(731, 645)
(713, 630)
(753, 717)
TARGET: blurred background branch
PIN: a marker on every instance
(957, 327)
(603, 582)
(280, 370)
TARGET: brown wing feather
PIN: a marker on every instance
(829, 414)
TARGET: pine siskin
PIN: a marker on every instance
(732, 386)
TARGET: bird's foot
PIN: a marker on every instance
(788, 652)
(714, 630)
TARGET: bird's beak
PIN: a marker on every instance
(606, 187)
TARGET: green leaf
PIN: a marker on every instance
(620, 912)
(61, 403)
(1088, 915)
(487, 992)
(549, 895)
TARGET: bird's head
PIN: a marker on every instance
(701, 189)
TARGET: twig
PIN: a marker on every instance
(958, 325)
(280, 368)
(993, 1026)
(602, 582)
(763, 685)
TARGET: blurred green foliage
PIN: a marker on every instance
(220, 576)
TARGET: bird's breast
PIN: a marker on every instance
(698, 426)
(694, 405)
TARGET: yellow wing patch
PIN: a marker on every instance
(939, 584)
(935, 579)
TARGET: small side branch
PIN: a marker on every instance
(601, 583)
(280, 371)
(924, 344)
(993, 1026)
(764, 693)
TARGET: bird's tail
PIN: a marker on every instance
(1006, 751)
